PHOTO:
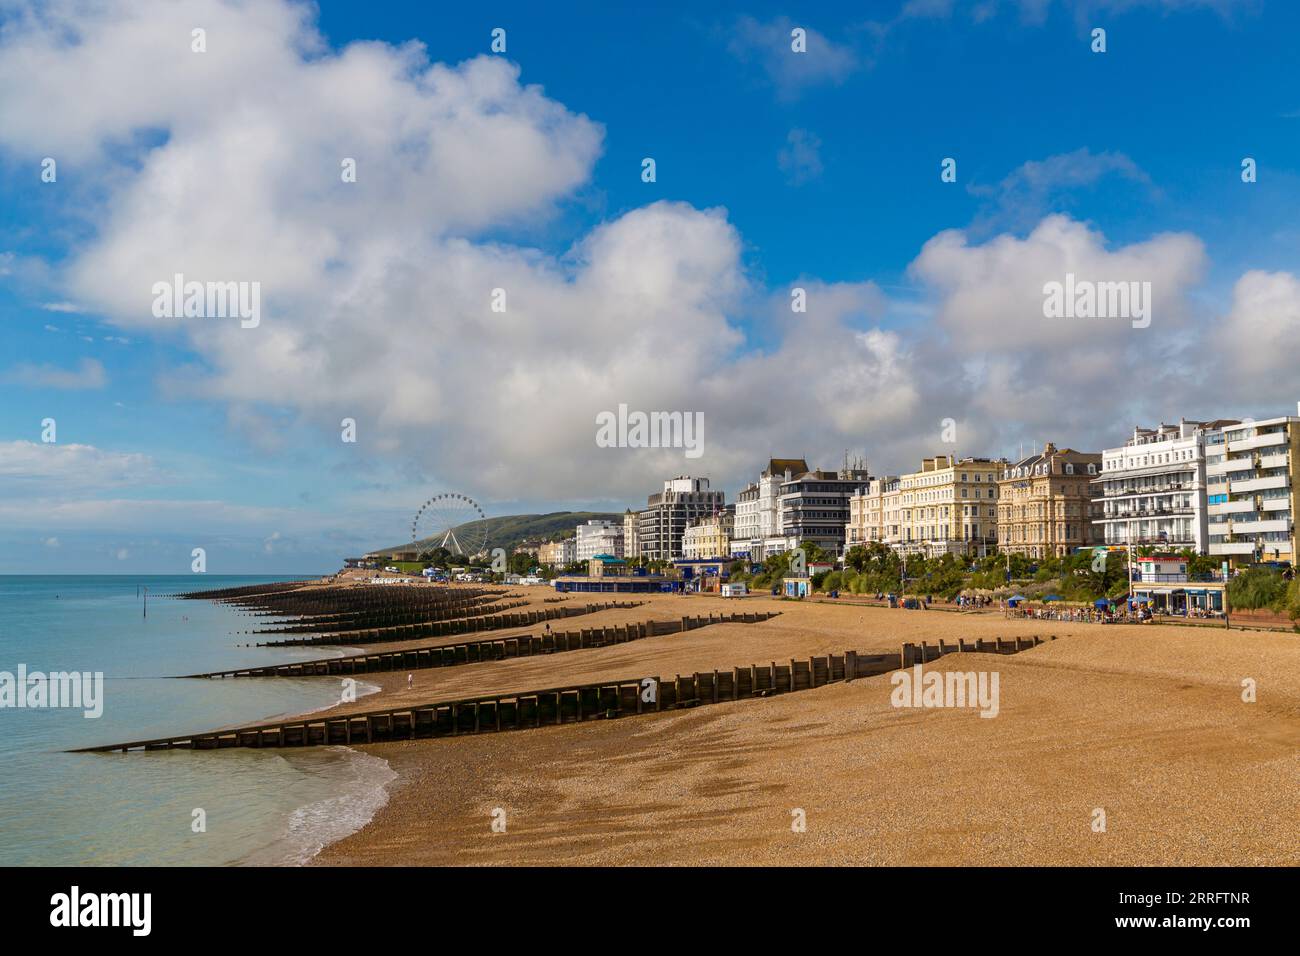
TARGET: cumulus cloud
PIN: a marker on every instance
(1072, 375)
(377, 295)
(1257, 338)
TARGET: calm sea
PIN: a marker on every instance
(263, 807)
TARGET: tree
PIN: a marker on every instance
(858, 558)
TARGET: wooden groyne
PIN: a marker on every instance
(553, 706)
(498, 649)
(464, 625)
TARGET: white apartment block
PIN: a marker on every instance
(745, 528)
(599, 537)
(631, 544)
(759, 530)
(1154, 487)
(1251, 488)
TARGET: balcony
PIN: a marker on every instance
(1232, 547)
(1258, 441)
(1141, 514)
(1258, 484)
(1259, 527)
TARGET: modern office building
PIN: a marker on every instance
(661, 526)
(1047, 503)
(1154, 487)
(815, 507)
(597, 536)
(1251, 487)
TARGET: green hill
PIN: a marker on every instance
(510, 530)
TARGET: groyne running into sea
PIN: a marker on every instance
(499, 649)
(601, 700)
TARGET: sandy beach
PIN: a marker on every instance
(1145, 724)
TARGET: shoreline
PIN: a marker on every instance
(1118, 701)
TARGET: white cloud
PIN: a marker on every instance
(89, 374)
(376, 295)
(27, 467)
(1257, 339)
(1039, 187)
(769, 45)
(800, 159)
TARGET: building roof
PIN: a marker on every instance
(779, 466)
(1051, 454)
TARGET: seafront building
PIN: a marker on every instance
(1251, 487)
(709, 537)
(815, 507)
(1154, 487)
(631, 544)
(745, 531)
(1047, 503)
(598, 536)
(558, 553)
(760, 531)
(874, 513)
(949, 506)
(661, 526)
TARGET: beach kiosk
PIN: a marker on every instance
(796, 587)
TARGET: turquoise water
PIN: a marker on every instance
(266, 806)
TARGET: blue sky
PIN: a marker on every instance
(773, 170)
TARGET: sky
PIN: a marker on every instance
(499, 271)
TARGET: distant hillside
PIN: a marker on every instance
(510, 530)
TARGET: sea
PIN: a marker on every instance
(178, 807)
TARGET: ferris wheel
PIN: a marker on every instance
(441, 523)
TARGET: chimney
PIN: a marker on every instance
(1049, 449)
